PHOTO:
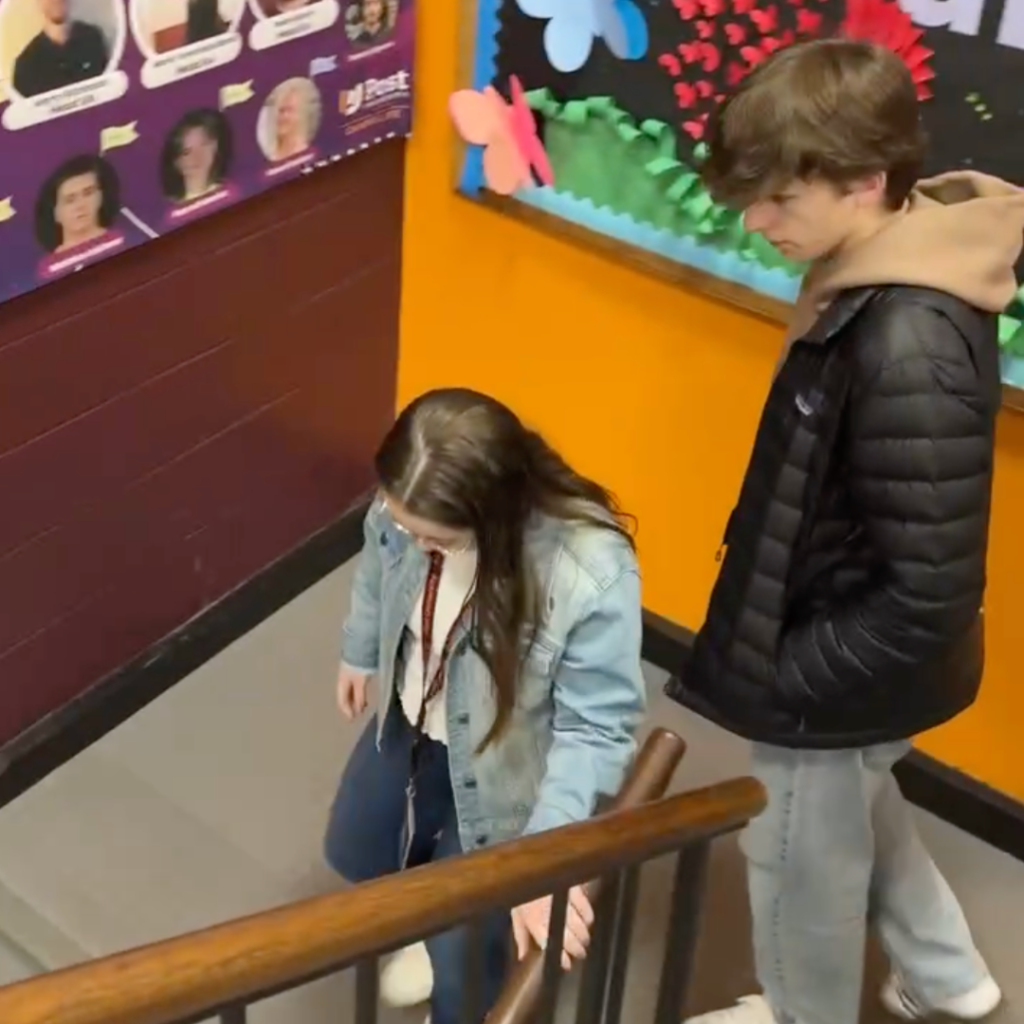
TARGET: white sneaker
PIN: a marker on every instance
(408, 978)
(749, 1010)
(977, 1004)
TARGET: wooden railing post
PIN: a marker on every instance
(648, 779)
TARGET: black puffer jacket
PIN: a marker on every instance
(848, 609)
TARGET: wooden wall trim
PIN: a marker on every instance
(48, 744)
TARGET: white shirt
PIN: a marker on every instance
(457, 576)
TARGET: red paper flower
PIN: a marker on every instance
(884, 22)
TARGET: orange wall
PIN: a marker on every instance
(654, 390)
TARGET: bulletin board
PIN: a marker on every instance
(125, 119)
(587, 117)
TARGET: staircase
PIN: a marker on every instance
(206, 806)
(209, 805)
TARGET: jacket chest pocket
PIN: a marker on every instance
(392, 546)
(820, 411)
(398, 567)
(537, 668)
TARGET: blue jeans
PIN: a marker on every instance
(366, 836)
(835, 852)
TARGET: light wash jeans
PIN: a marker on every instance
(837, 852)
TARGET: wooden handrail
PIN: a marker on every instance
(193, 974)
(648, 779)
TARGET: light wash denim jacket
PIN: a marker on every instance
(581, 691)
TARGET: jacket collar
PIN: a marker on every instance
(841, 310)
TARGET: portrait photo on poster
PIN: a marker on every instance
(274, 8)
(282, 21)
(371, 23)
(182, 38)
(163, 26)
(195, 162)
(140, 135)
(60, 56)
(288, 123)
(76, 213)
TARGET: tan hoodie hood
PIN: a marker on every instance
(961, 233)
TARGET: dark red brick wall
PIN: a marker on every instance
(174, 419)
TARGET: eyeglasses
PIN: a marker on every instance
(428, 543)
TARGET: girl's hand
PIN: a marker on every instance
(352, 692)
(530, 924)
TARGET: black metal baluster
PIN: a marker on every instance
(622, 940)
(548, 1001)
(233, 1015)
(683, 925)
(367, 990)
(471, 1011)
(594, 982)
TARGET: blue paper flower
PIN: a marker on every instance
(573, 25)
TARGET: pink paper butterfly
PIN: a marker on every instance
(711, 58)
(690, 52)
(766, 19)
(735, 73)
(753, 55)
(686, 94)
(808, 22)
(695, 128)
(671, 64)
(512, 151)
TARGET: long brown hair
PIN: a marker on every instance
(464, 460)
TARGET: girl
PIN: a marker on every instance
(196, 155)
(497, 606)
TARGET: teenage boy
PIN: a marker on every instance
(847, 616)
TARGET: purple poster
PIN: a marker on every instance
(122, 120)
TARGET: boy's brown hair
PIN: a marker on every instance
(832, 110)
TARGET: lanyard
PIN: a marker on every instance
(432, 684)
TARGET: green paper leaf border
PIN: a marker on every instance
(683, 204)
(677, 200)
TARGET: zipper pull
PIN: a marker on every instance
(720, 552)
